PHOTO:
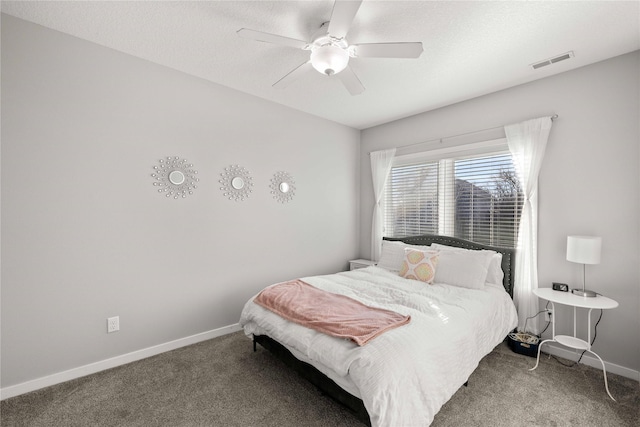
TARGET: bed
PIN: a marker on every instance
(405, 375)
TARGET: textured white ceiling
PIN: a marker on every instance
(470, 48)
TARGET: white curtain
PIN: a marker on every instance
(527, 142)
(380, 168)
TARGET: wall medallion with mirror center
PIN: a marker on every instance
(236, 183)
(175, 177)
(282, 187)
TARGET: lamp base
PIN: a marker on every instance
(583, 293)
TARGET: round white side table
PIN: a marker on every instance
(567, 298)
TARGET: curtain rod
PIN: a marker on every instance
(553, 118)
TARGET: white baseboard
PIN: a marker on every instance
(590, 360)
(92, 368)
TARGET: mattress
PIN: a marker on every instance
(405, 375)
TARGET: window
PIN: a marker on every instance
(472, 194)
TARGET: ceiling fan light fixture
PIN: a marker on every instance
(329, 59)
(330, 51)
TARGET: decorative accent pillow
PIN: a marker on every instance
(495, 275)
(419, 265)
(392, 254)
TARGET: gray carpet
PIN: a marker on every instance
(222, 382)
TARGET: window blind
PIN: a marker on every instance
(411, 202)
(477, 198)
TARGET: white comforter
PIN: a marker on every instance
(405, 375)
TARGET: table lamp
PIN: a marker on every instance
(584, 250)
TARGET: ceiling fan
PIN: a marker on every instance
(330, 51)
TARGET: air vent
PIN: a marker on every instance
(552, 60)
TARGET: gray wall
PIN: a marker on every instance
(86, 236)
(589, 182)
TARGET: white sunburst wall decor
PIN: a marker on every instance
(282, 187)
(175, 177)
(236, 183)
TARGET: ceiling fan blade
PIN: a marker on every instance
(388, 50)
(342, 16)
(351, 81)
(271, 38)
(293, 75)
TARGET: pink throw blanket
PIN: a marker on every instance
(329, 313)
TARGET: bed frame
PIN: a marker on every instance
(329, 387)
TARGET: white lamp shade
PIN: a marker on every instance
(584, 249)
(329, 59)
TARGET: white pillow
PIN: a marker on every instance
(392, 254)
(466, 269)
(495, 275)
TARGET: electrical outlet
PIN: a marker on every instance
(113, 324)
(548, 315)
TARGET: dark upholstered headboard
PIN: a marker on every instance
(508, 254)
